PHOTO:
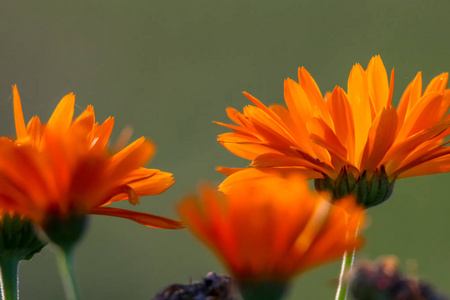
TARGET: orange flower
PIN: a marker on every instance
(353, 134)
(271, 229)
(64, 169)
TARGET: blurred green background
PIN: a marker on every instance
(168, 68)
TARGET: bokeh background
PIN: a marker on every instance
(168, 69)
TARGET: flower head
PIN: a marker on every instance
(269, 230)
(64, 169)
(357, 132)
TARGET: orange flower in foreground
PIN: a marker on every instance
(270, 230)
(346, 136)
(64, 169)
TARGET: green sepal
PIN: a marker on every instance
(18, 239)
(65, 232)
(368, 191)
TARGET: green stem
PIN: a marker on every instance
(65, 262)
(347, 263)
(262, 290)
(9, 270)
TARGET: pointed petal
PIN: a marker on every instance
(435, 166)
(260, 174)
(63, 114)
(423, 115)
(141, 218)
(378, 84)
(228, 171)
(391, 87)
(319, 130)
(438, 84)
(399, 151)
(145, 182)
(312, 91)
(279, 160)
(381, 136)
(409, 98)
(18, 115)
(342, 114)
(134, 155)
(358, 96)
(35, 130)
(102, 133)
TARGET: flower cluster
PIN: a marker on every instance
(264, 222)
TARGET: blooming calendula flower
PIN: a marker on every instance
(62, 170)
(350, 142)
(269, 230)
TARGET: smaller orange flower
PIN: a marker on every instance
(64, 170)
(269, 230)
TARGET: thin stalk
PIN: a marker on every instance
(65, 263)
(9, 272)
(347, 263)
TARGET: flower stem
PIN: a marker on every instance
(263, 290)
(347, 263)
(9, 271)
(65, 263)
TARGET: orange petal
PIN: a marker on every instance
(141, 218)
(342, 114)
(435, 166)
(358, 97)
(312, 91)
(438, 84)
(423, 115)
(18, 115)
(319, 131)
(260, 174)
(280, 160)
(381, 136)
(409, 98)
(102, 133)
(399, 151)
(378, 84)
(229, 171)
(134, 155)
(35, 130)
(63, 114)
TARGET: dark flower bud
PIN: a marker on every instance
(382, 280)
(212, 287)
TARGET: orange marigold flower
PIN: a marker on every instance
(64, 169)
(269, 230)
(346, 138)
